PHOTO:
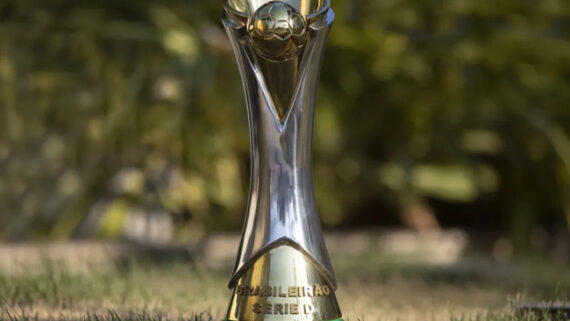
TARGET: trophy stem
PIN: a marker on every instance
(282, 270)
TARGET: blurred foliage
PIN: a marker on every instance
(132, 113)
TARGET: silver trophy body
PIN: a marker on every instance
(282, 271)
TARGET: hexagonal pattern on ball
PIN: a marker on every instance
(277, 30)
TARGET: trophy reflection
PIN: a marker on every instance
(282, 271)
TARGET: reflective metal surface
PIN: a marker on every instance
(282, 243)
(248, 7)
(283, 284)
(277, 31)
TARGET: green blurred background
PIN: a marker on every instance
(126, 119)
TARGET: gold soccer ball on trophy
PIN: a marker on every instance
(278, 31)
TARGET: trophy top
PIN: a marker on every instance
(277, 29)
(307, 8)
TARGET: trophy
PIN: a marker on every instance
(282, 271)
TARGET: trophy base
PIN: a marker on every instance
(282, 285)
(339, 319)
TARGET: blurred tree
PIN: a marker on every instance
(115, 110)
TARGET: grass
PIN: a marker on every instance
(111, 315)
(146, 316)
(370, 288)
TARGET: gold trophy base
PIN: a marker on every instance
(283, 285)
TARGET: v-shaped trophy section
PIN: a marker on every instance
(282, 271)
